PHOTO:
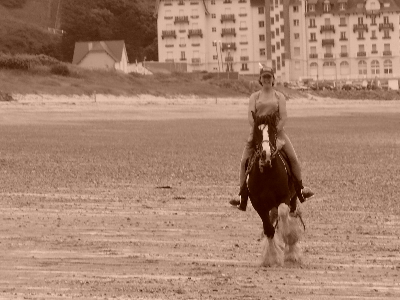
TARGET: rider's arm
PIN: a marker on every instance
(251, 109)
(282, 112)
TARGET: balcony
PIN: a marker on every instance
(383, 26)
(195, 32)
(328, 42)
(228, 46)
(327, 28)
(228, 18)
(313, 55)
(228, 31)
(195, 61)
(244, 58)
(358, 27)
(169, 60)
(168, 34)
(181, 19)
(387, 53)
(361, 53)
(328, 55)
(343, 39)
(374, 52)
(229, 58)
(344, 54)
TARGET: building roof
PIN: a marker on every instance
(353, 6)
(158, 5)
(257, 3)
(112, 48)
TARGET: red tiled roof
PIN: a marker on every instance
(112, 48)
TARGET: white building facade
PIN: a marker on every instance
(319, 39)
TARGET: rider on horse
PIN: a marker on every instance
(268, 101)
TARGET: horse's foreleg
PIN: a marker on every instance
(269, 230)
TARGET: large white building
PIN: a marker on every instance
(320, 39)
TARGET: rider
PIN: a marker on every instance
(268, 101)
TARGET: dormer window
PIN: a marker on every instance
(311, 7)
(385, 20)
(386, 4)
(342, 6)
(327, 7)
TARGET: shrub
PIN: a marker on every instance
(60, 69)
(25, 61)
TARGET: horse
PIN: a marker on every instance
(273, 194)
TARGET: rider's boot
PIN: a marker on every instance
(302, 192)
(244, 197)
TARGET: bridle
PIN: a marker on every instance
(272, 146)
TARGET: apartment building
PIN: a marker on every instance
(319, 39)
(213, 35)
(349, 40)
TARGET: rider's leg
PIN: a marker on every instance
(295, 166)
(243, 192)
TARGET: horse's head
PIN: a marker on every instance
(264, 138)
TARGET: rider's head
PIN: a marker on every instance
(267, 71)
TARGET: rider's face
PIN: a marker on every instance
(267, 79)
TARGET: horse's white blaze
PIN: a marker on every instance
(265, 141)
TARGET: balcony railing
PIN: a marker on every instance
(357, 27)
(195, 32)
(228, 46)
(228, 31)
(229, 58)
(328, 55)
(343, 39)
(361, 53)
(244, 58)
(344, 54)
(168, 34)
(195, 61)
(327, 42)
(228, 18)
(387, 53)
(169, 60)
(383, 26)
(181, 19)
(313, 55)
(374, 52)
(327, 28)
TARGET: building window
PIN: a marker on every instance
(342, 22)
(214, 29)
(385, 20)
(215, 57)
(295, 9)
(374, 48)
(212, 2)
(312, 23)
(362, 68)
(278, 45)
(262, 37)
(273, 48)
(361, 48)
(277, 18)
(277, 31)
(386, 34)
(213, 16)
(311, 7)
(296, 51)
(387, 67)
(313, 36)
(261, 10)
(183, 56)
(343, 49)
(262, 51)
(386, 47)
(343, 35)
(272, 34)
(297, 36)
(261, 24)
(297, 65)
(360, 35)
(296, 22)
(360, 20)
(245, 67)
(342, 6)
(281, 14)
(327, 7)
(373, 34)
(373, 20)
(375, 67)
(272, 21)
(313, 50)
